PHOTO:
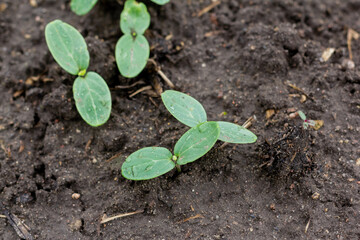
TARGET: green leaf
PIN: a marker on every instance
(302, 115)
(82, 7)
(196, 142)
(160, 2)
(184, 108)
(134, 19)
(147, 163)
(233, 133)
(67, 46)
(92, 98)
(131, 55)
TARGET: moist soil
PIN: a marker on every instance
(241, 59)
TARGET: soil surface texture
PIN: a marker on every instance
(240, 58)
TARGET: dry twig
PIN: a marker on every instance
(108, 219)
(208, 8)
(350, 35)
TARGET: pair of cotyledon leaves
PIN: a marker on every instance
(91, 93)
(152, 162)
(82, 7)
(132, 50)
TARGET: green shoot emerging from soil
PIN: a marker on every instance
(152, 162)
(306, 122)
(132, 49)
(91, 93)
(82, 7)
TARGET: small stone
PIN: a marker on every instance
(315, 196)
(269, 113)
(272, 206)
(75, 196)
(302, 98)
(292, 115)
(75, 225)
(347, 64)
(358, 162)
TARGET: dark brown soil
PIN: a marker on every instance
(239, 58)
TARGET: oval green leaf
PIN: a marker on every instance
(160, 2)
(196, 142)
(184, 108)
(92, 98)
(67, 46)
(233, 133)
(82, 7)
(147, 163)
(131, 55)
(134, 19)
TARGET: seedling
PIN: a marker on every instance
(190, 112)
(152, 162)
(306, 122)
(91, 93)
(82, 7)
(132, 49)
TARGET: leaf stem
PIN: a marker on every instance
(178, 168)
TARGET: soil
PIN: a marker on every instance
(242, 58)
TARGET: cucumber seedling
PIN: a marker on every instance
(151, 162)
(91, 93)
(82, 7)
(190, 112)
(132, 49)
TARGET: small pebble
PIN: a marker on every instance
(347, 64)
(75, 196)
(75, 225)
(315, 196)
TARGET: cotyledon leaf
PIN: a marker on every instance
(160, 2)
(196, 142)
(233, 133)
(184, 108)
(82, 7)
(131, 55)
(92, 98)
(147, 163)
(67, 46)
(134, 19)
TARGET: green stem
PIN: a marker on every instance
(178, 168)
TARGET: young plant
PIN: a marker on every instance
(151, 162)
(132, 49)
(306, 122)
(190, 112)
(82, 7)
(91, 93)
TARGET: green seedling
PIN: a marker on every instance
(190, 112)
(306, 122)
(151, 162)
(132, 50)
(91, 93)
(82, 7)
